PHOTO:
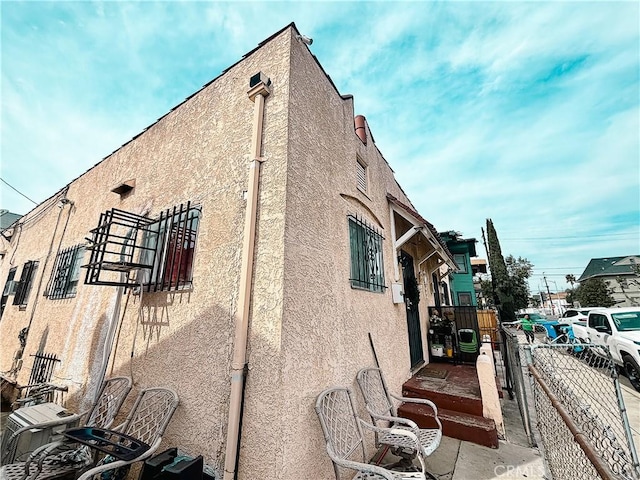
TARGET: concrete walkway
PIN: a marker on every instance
(514, 459)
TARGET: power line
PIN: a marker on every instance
(571, 236)
(14, 188)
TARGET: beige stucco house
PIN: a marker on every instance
(254, 223)
(620, 274)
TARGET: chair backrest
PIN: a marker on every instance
(108, 403)
(342, 432)
(150, 414)
(375, 393)
(468, 340)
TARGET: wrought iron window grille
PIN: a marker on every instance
(131, 250)
(43, 365)
(65, 274)
(367, 266)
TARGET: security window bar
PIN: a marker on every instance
(116, 249)
(130, 250)
(43, 365)
(361, 175)
(66, 272)
(367, 267)
(26, 281)
(169, 249)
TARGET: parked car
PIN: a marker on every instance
(573, 315)
(619, 330)
(535, 317)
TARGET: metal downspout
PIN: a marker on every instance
(257, 94)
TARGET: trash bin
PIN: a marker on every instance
(168, 465)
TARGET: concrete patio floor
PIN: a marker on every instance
(513, 459)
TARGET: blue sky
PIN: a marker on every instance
(523, 112)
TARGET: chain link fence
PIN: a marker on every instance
(582, 385)
(573, 398)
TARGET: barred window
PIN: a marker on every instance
(367, 268)
(65, 274)
(24, 285)
(169, 247)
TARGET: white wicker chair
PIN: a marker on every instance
(44, 462)
(380, 406)
(145, 424)
(343, 433)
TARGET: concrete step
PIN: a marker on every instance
(447, 399)
(455, 424)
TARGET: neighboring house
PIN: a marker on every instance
(461, 285)
(254, 229)
(556, 304)
(622, 276)
(7, 218)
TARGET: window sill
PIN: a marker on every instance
(365, 289)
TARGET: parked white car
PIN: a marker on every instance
(573, 315)
(619, 330)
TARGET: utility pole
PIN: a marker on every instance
(484, 241)
(553, 311)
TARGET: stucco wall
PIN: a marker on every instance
(629, 296)
(198, 153)
(326, 323)
(308, 327)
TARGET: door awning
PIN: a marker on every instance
(420, 227)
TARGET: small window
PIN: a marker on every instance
(24, 286)
(66, 272)
(361, 175)
(461, 262)
(367, 268)
(464, 299)
(169, 247)
(9, 289)
(10, 286)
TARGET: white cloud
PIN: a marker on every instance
(524, 112)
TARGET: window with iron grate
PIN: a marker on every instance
(367, 267)
(170, 244)
(24, 286)
(65, 274)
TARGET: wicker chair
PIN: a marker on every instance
(380, 406)
(137, 438)
(343, 433)
(44, 462)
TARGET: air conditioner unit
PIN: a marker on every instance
(18, 448)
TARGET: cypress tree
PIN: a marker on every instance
(499, 277)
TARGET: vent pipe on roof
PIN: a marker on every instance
(361, 131)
